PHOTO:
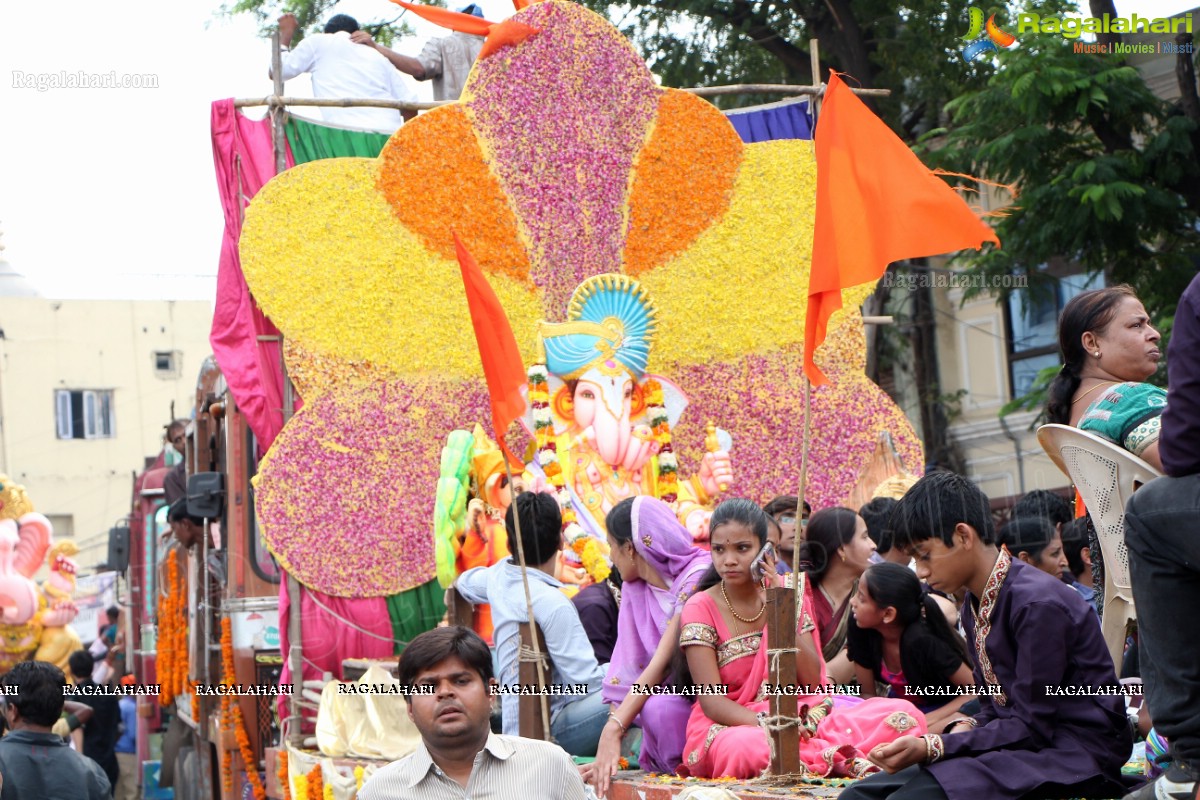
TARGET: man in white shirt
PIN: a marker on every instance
(341, 69)
(447, 60)
(459, 756)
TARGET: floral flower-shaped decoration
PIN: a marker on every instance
(561, 161)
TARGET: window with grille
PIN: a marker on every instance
(84, 413)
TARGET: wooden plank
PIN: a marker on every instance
(458, 610)
(781, 635)
(530, 706)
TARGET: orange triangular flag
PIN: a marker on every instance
(502, 365)
(876, 203)
(508, 32)
(454, 20)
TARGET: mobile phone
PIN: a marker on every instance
(759, 565)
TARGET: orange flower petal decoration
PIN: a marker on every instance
(683, 180)
(508, 32)
(424, 165)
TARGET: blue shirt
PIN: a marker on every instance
(570, 652)
(1088, 594)
(128, 741)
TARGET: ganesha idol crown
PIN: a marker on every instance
(610, 326)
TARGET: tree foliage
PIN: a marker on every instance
(1107, 173)
(312, 14)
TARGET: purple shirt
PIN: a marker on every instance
(598, 612)
(1042, 634)
(1179, 444)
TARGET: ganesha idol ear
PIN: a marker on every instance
(34, 531)
(674, 400)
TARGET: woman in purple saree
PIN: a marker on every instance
(659, 565)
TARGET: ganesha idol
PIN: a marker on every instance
(33, 623)
(602, 424)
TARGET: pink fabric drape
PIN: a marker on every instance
(244, 162)
(327, 639)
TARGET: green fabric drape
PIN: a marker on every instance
(413, 612)
(310, 141)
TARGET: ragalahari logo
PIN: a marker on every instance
(982, 38)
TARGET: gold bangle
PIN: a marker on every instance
(934, 749)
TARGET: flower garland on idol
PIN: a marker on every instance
(668, 465)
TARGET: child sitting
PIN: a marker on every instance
(898, 636)
(1079, 561)
(1038, 655)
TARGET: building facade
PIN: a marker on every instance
(86, 390)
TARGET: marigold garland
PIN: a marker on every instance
(358, 778)
(231, 717)
(282, 775)
(592, 557)
(316, 784)
(172, 634)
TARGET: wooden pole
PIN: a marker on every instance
(277, 111)
(781, 636)
(278, 99)
(535, 642)
(295, 654)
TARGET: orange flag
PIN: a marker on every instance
(876, 203)
(502, 365)
(508, 32)
(454, 20)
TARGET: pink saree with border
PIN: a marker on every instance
(846, 727)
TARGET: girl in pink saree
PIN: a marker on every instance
(724, 639)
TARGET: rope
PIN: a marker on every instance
(531, 656)
(347, 622)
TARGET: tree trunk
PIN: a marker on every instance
(1099, 8)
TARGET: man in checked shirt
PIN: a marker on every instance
(459, 757)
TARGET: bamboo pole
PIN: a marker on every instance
(295, 654)
(279, 99)
(785, 750)
(534, 638)
(277, 138)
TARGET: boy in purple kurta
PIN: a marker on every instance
(1042, 732)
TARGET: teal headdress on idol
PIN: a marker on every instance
(610, 326)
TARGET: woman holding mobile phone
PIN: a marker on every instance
(724, 639)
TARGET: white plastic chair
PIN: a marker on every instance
(1105, 475)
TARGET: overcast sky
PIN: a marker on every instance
(110, 192)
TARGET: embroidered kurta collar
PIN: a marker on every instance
(983, 621)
